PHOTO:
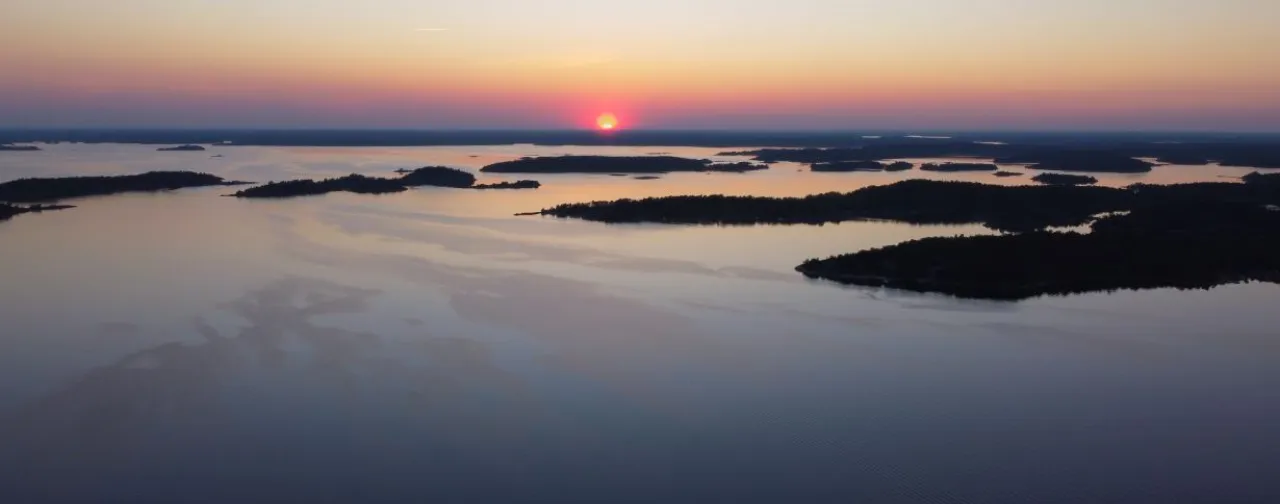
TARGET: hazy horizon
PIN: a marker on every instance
(666, 65)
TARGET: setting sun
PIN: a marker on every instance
(607, 122)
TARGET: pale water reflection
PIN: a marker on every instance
(430, 345)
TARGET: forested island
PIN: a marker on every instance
(958, 167)
(1005, 174)
(182, 148)
(438, 176)
(1064, 179)
(354, 183)
(30, 190)
(18, 148)
(1195, 235)
(599, 164)
(519, 184)
(1167, 245)
(8, 211)
(912, 201)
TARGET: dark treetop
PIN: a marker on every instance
(1064, 179)
(53, 189)
(599, 164)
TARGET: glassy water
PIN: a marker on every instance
(186, 347)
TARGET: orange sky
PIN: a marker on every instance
(660, 64)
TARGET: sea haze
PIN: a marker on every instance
(431, 345)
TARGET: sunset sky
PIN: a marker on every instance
(759, 64)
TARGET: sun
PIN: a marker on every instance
(607, 122)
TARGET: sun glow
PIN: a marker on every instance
(607, 122)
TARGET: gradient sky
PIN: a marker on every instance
(741, 64)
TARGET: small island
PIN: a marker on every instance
(439, 176)
(599, 164)
(898, 166)
(182, 148)
(519, 184)
(8, 211)
(1005, 174)
(959, 167)
(31, 190)
(18, 148)
(1064, 179)
(646, 177)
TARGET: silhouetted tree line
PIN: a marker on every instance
(52, 189)
(9, 147)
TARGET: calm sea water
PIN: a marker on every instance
(430, 346)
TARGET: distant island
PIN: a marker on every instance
(847, 166)
(958, 167)
(1064, 179)
(1168, 245)
(740, 167)
(1003, 174)
(182, 148)
(18, 148)
(898, 166)
(519, 184)
(599, 164)
(8, 211)
(1079, 161)
(646, 177)
(30, 190)
(438, 176)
